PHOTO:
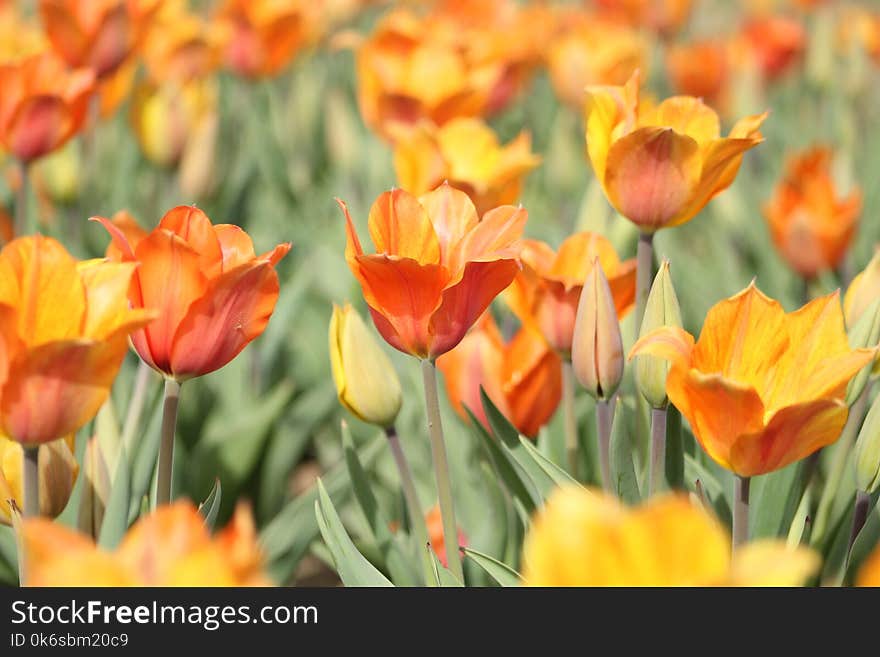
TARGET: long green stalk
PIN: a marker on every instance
(166, 446)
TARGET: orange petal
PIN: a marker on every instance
(671, 343)
(688, 116)
(532, 381)
(193, 226)
(234, 310)
(37, 127)
(576, 255)
(236, 245)
(651, 175)
(107, 306)
(130, 228)
(63, 31)
(793, 433)
(400, 226)
(623, 287)
(453, 216)
(496, 236)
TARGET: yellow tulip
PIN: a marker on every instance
(365, 379)
(58, 472)
(662, 309)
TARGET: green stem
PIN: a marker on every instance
(740, 510)
(570, 418)
(604, 418)
(136, 404)
(166, 447)
(441, 469)
(657, 473)
(31, 481)
(21, 198)
(644, 274)
(413, 506)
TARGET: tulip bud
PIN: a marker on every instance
(867, 451)
(865, 334)
(58, 472)
(58, 173)
(597, 346)
(862, 291)
(365, 379)
(661, 309)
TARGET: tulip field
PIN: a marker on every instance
(439, 293)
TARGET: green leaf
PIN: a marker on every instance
(442, 575)
(867, 540)
(115, 521)
(773, 501)
(395, 561)
(674, 449)
(8, 556)
(211, 505)
(623, 473)
(500, 572)
(559, 476)
(352, 566)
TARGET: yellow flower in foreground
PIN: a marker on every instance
(583, 537)
(761, 388)
(171, 547)
(660, 165)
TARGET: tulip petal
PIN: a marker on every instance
(606, 110)
(532, 375)
(623, 287)
(651, 175)
(400, 227)
(495, 236)
(576, 255)
(107, 307)
(793, 433)
(63, 31)
(193, 226)
(687, 116)
(671, 343)
(234, 310)
(236, 245)
(772, 563)
(453, 216)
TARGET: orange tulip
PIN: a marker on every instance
(811, 225)
(869, 573)
(181, 46)
(700, 69)
(546, 292)
(434, 521)
(437, 267)
(775, 43)
(466, 153)
(19, 36)
(761, 388)
(213, 294)
(662, 16)
(522, 377)
(63, 335)
(264, 35)
(98, 34)
(171, 547)
(42, 104)
(660, 165)
(592, 51)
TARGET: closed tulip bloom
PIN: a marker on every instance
(662, 309)
(761, 388)
(43, 104)
(467, 154)
(863, 291)
(366, 382)
(64, 328)
(546, 292)
(98, 34)
(58, 470)
(521, 376)
(213, 294)
(660, 165)
(811, 223)
(597, 346)
(437, 266)
(867, 451)
(170, 547)
(583, 537)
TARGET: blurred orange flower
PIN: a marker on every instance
(522, 377)
(434, 521)
(43, 104)
(761, 388)
(869, 573)
(64, 329)
(98, 34)
(660, 165)
(662, 16)
(19, 36)
(591, 51)
(466, 153)
(701, 69)
(170, 547)
(182, 46)
(264, 35)
(775, 43)
(213, 294)
(546, 292)
(437, 267)
(811, 225)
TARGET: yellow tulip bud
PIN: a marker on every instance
(58, 173)
(862, 291)
(661, 309)
(58, 472)
(365, 379)
(863, 334)
(597, 346)
(867, 451)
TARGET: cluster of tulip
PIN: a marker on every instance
(747, 455)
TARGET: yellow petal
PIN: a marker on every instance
(771, 563)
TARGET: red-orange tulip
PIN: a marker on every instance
(663, 16)
(42, 104)
(761, 388)
(546, 292)
(522, 377)
(811, 226)
(437, 267)
(98, 34)
(434, 521)
(700, 69)
(64, 327)
(775, 42)
(213, 294)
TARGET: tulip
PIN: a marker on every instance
(812, 226)
(58, 174)
(182, 46)
(466, 153)
(869, 574)
(366, 382)
(42, 105)
(582, 537)
(661, 310)
(20, 37)
(546, 292)
(171, 547)
(57, 475)
(522, 377)
(434, 522)
(662, 16)
(863, 291)
(659, 166)
(774, 43)
(702, 70)
(437, 266)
